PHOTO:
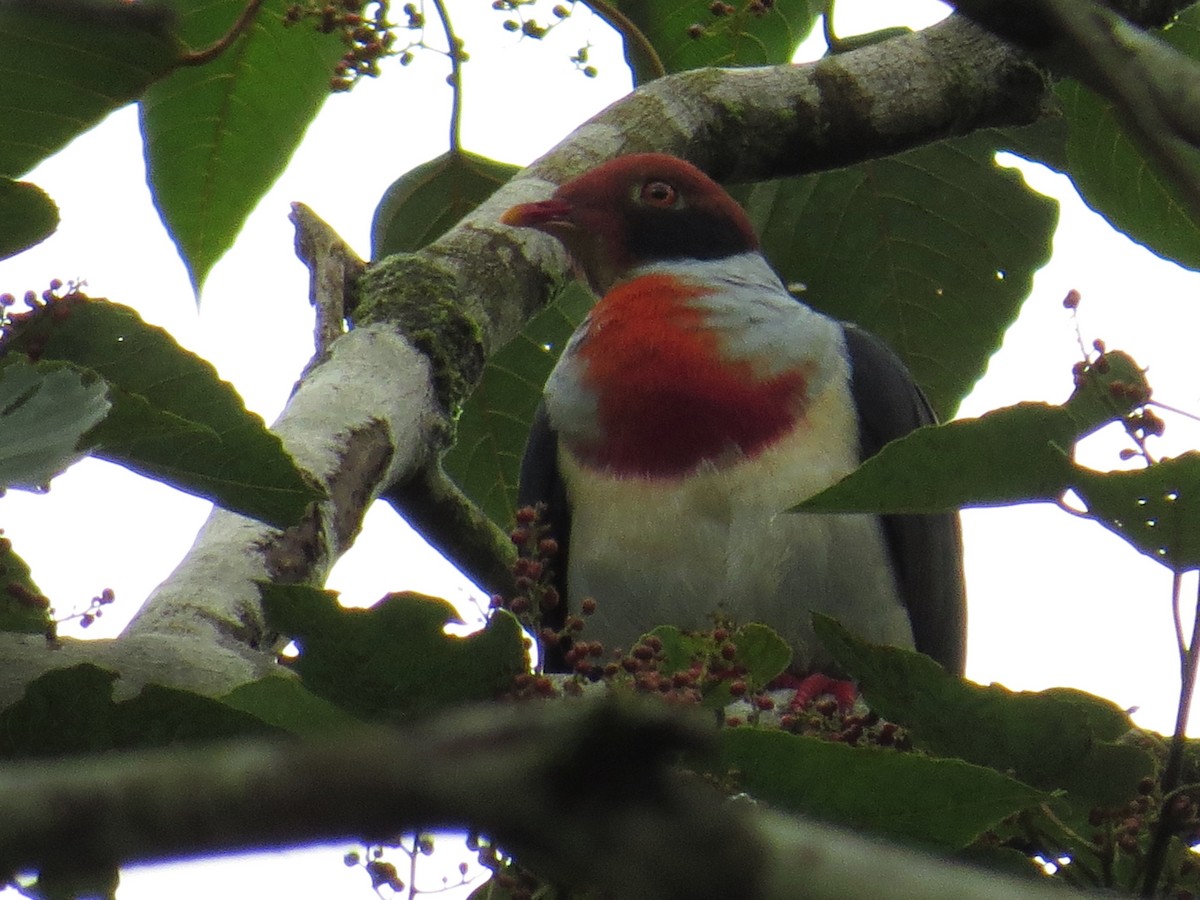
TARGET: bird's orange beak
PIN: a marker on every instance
(538, 214)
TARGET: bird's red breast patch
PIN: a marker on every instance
(668, 396)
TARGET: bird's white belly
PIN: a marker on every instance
(676, 551)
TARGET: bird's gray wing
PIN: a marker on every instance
(926, 549)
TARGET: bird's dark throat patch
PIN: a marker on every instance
(654, 234)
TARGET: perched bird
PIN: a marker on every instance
(696, 403)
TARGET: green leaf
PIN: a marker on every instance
(173, 418)
(393, 661)
(27, 216)
(763, 653)
(1054, 740)
(1156, 509)
(282, 701)
(218, 135)
(71, 710)
(1116, 180)
(1113, 175)
(47, 408)
(748, 36)
(933, 250)
(495, 419)
(945, 803)
(23, 607)
(1009, 455)
(1045, 141)
(423, 204)
(66, 64)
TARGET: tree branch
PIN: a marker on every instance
(583, 792)
(1154, 89)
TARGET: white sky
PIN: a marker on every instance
(1053, 600)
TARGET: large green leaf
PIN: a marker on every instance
(933, 250)
(422, 204)
(48, 407)
(1116, 179)
(1054, 740)
(393, 661)
(66, 64)
(754, 33)
(282, 701)
(1156, 509)
(27, 216)
(946, 803)
(218, 135)
(172, 417)
(73, 711)
(495, 419)
(1023, 453)
(1009, 455)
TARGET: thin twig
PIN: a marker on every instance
(1177, 615)
(223, 43)
(631, 33)
(1167, 821)
(456, 60)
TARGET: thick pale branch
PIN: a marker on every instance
(584, 792)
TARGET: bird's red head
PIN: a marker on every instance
(635, 210)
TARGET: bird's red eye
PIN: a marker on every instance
(659, 193)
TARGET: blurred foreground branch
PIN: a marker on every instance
(583, 792)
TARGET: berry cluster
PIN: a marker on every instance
(531, 28)
(536, 602)
(726, 17)
(384, 873)
(56, 301)
(1140, 424)
(1127, 829)
(364, 29)
(859, 727)
(94, 611)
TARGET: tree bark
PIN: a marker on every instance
(584, 791)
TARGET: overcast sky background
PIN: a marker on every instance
(1053, 600)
